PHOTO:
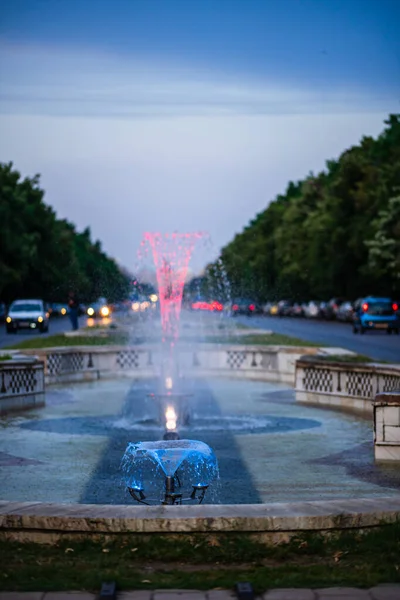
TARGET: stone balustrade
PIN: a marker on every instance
(387, 426)
(21, 384)
(268, 363)
(350, 386)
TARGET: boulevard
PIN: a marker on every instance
(376, 345)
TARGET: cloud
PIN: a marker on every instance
(189, 150)
(59, 81)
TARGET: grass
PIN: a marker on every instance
(54, 341)
(154, 562)
(273, 339)
(122, 338)
(348, 358)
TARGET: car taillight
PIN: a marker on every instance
(216, 306)
(395, 306)
(235, 307)
(252, 307)
(365, 307)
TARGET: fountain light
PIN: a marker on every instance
(171, 418)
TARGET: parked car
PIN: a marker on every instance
(345, 312)
(27, 314)
(331, 308)
(243, 306)
(284, 308)
(376, 313)
(273, 311)
(296, 310)
(312, 310)
(266, 308)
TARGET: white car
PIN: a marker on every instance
(27, 314)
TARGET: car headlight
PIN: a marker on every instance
(9, 319)
(90, 311)
(40, 319)
(105, 311)
(63, 311)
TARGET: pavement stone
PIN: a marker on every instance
(179, 595)
(385, 592)
(342, 593)
(21, 595)
(135, 595)
(221, 595)
(290, 594)
(69, 596)
(380, 592)
(340, 597)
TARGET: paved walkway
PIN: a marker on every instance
(380, 592)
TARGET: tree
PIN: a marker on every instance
(384, 248)
(42, 256)
(331, 234)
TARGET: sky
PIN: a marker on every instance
(178, 115)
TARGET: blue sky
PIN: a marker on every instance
(188, 114)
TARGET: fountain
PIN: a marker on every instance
(184, 465)
(176, 462)
(171, 255)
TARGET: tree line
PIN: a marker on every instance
(336, 233)
(44, 257)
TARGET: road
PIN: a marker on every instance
(57, 325)
(378, 345)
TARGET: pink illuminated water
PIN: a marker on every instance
(171, 255)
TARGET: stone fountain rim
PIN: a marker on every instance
(26, 519)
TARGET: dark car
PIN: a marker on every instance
(58, 310)
(243, 306)
(284, 308)
(376, 313)
(345, 312)
(330, 310)
(297, 310)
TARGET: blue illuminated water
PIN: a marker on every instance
(146, 464)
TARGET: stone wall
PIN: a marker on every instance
(268, 523)
(350, 386)
(268, 363)
(387, 426)
(21, 384)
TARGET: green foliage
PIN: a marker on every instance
(204, 561)
(45, 257)
(333, 234)
(57, 340)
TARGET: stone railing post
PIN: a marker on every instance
(387, 426)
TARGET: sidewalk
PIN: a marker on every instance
(380, 592)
